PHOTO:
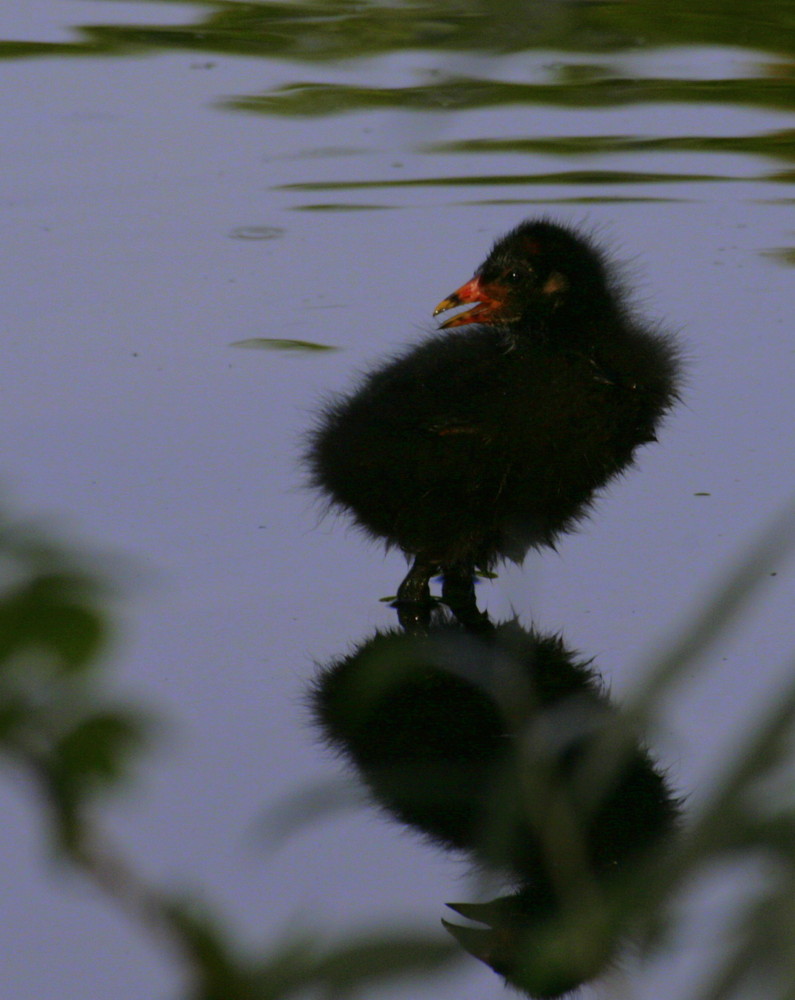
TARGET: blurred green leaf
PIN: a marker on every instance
(55, 725)
(93, 755)
(368, 962)
(294, 812)
(301, 963)
(214, 970)
(13, 714)
(714, 618)
(96, 752)
(54, 615)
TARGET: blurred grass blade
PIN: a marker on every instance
(711, 623)
(312, 804)
(367, 962)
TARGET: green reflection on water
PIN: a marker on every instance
(310, 98)
(282, 344)
(334, 29)
(573, 54)
(560, 177)
(780, 145)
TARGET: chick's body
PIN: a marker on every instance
(475, 446)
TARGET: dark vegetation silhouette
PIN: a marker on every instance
(64, 737)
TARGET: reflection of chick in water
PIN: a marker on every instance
(476, 446)
(491, 745)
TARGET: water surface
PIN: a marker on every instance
(186, 176)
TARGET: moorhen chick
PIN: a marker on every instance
(474, 447)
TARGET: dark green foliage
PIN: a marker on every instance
(55, 723)
(301, 965)
(59, 732)
(52, 615)
(93, 754)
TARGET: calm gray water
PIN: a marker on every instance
(169, 193)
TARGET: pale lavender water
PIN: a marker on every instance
(135, 429)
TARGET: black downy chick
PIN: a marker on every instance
(475, 447)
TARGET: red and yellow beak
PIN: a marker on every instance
(473, 291)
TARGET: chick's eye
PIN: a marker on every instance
(513, 277)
